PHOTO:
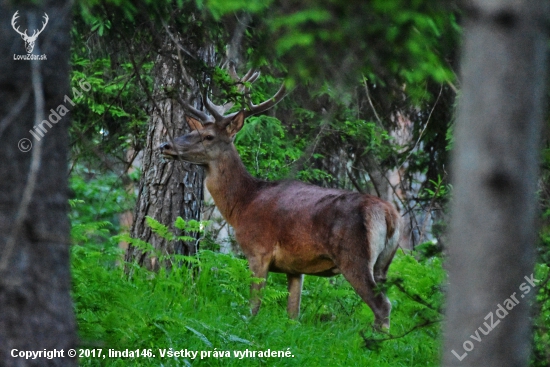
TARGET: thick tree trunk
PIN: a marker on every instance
(492, 235)
(36, 309)
(168, 189)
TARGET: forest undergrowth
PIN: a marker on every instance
(201, 305)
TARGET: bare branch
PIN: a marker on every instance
(16, 109)
(36, 160)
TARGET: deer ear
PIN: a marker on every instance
(235, 125)
(194, 124)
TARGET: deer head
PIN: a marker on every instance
(29, 40)
(213, 134)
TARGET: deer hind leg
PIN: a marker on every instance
(359, 274)
(382, 265)
(380, 273)
(294, 294)
(357, 266)
(389, 236)
(382, 251)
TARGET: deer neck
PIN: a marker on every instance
(230, 185)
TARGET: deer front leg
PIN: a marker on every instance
(259, 268)
(294, 294)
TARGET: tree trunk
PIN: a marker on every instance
(493, 230)
(168, 189)
(36, 308)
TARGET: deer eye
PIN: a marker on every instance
(209, 137)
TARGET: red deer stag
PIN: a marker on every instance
(289, 226)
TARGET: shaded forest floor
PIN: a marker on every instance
(207, 311)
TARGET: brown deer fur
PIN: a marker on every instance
(292, 227)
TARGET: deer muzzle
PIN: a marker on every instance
(167, 151)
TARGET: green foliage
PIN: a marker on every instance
(265, 149)
(186, 226)
(84, 232)
(110, 113)
(541, 315)
(541, 335)
(205, 306)
(219, 8)
(410, 276)
(274, 149)
(439, 190)
(390, 41)
(99, 200)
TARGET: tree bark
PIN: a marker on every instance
(36, 308)
(495, 169)
(168, 189)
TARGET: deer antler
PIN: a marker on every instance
(36, 33)
(24, 34)
(195, 112)
(218, 112)
(13, 21)
(250, 77)
(266, 105)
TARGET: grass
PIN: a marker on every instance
(207, 310)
